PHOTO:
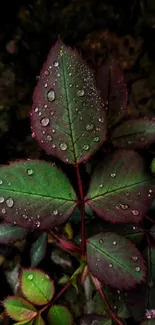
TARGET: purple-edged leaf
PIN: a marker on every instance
(35, 194)
(10, 234)
(121, 188)
(59, 315)
(19, 309)
(149, 254)
(68, 117)
(136, 300)
(39, 321)
(134, 134)
(110, 81)
(94, 319)
(36, 286)
(114, 260)
(38, 249)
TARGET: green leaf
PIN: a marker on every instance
(11, 234)
(38, 249)
(59, 315)
(134, 134)
(39, 321)
(115, 261)
(94, 319)
(72, 124)
(36, 286)
(121, 191)
(35, 194)
(24, 323)
(19, 309)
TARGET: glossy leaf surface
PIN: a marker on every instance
(110, 81)
(68, 116)
(10, 234)
(39, 321)
(59, 315)
(94, 319)
(35, 194)
(121, 188)
(38, 249)
(114, 260)
(134, 134)
(19, 309)
(24, 323)
(36, 286)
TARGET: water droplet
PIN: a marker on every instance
(89, 127)
(118, 291)
(137, 268)
(101, 119)
(1, 182)
(55, 212)
(45, 106)
(33, 134)
(70, 74)
(150, 191)
(63, 146)
(9, 202)
(51, 95)
(135, 212)
(96, 139)
(46, 73)
(30, 172)
(124, 206)
(56, 64)
(25, 216)
(3, 211)
(101, 241)
(112, 174)
(80, 92)
(134, 258)
(30, 277)
(45, 121)
(36, 109)
(45, 85)
(85, 147)
(1, 199)
(37, 224)
(114, 242)
(53, 130)
(101, 185)
(49, 138)
(110, 265)
(134, 228)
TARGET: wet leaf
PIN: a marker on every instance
(35, 194)
(94, 319)
(36, 286)
(68, 117)
(121, 191)
(150, 258)
(134, 134)
(10, 234)
(38, 249)
(114, 260)
(136, 301)
(110, 81)
(59, 315)
(19, 309)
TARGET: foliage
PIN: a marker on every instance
(76, 115)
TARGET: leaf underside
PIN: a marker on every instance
(114, 260)
(134, 134)
(68, 116)
(38, 249)
(35, 194)
(121, 188)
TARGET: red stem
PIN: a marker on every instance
(65, 245)
(83, 237)
(98, 287)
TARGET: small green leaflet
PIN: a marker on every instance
(19, 309)
(114, 260)
(36, 286)
(24, 323)
(59, 315)
(10, 234)
(35, 194)
(38, 249)
(68, 117)
(39, 321)
(121, 188)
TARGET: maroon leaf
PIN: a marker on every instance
(93, 319)
(68, 116)
(110, 81)
(134, 133)
(121, 188)
(114, 260)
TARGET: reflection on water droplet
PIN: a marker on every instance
(101, 241)
(80, 92)
(96, 139)
(44, 121)
(85, 147)
(51, 95)
(9, 202)
(63, 146)
(114, 242)
(124, 206)
(30, 172)
(110, 265)
(45, 85)
(1, 199)
(49, 138)
(56, 64)
(101, 185)
(135, 212)
(134, 258)
(150, 191)
(37, 224)
(36, 109)
(1, 182)
(137, 268)
(30, 277)
(3, 211)
(55, 212)
(24, 216)
(46, 73)
(101, 119)
(112, 174)
(89, 127)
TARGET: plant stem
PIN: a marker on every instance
(65, 245)
(99, 288)
(82, 206)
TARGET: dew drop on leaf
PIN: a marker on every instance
(110, 265)
(112, 174)
(124, 206)
(101, 185)
(45, 85)
(101, 119)
(114, 242)
(63, 146)
(3, 211)
(36, 109)
(56, 64)
(30, 172)
(1, 182)
(46, 73)
(49, 138)
(25, 216)
(96, 139)
(85, 147)
(37, 224)
(89, 127)
(101, 241)
(150, 191)
(55, 212)
(137, 268)
(45, 121)
(1, 199)
(9, 202)
(134, 258)
(80, 92)
(51, 95)
(135, 212)
(30, 277)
